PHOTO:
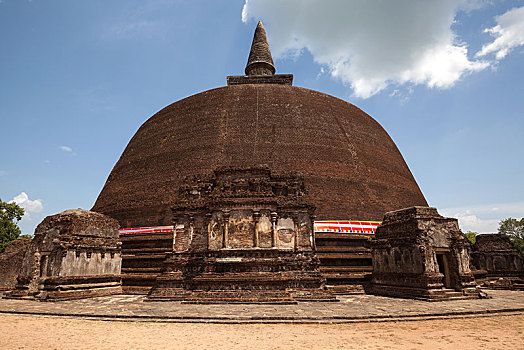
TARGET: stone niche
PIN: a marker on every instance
(496, 254)
(242, 235)
(74, 254)
(419, 254)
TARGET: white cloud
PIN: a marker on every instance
(484, 218)
(30, 206)
(370, 45)
(3, 172)
(471, 222)
(508, 33)
(67, 149)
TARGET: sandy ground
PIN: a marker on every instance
(40, 332)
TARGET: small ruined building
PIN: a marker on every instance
(496, 257)
(350, 166)
(74, 254)
(419, 254)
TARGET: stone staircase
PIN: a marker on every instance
(440, 294)
(345, 261)
(142, 259)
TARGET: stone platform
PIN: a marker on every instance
(350, 308)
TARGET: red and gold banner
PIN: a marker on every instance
(362, 227)
(141, 230)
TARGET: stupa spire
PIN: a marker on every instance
(260, 68)
(260, 61)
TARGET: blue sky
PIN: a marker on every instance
(444, 78)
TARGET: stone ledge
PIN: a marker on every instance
(281, 79)
(351, 308)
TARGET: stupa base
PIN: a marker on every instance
(259, 277)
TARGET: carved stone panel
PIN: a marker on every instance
(240, 230)
(215, 232)
(305, 227)
(286, 233)
(264, 231)
(182, 238)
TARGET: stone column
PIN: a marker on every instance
(175, 221)
(313, 243)
(207, 222)
(256, 218)
(191, 224)
(295, 223)
(225, 229)
(274, 218)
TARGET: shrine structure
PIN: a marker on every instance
(350, 167)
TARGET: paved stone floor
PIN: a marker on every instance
(350, 308)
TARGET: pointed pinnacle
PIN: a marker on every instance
(260, 61)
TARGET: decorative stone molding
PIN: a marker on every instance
(247, 223)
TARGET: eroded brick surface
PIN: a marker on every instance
(351, 166)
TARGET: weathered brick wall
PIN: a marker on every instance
(351, 166)
(11, 261)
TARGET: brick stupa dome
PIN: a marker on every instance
(351, 167)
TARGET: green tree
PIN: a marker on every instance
(10, 214)
(471, 236)
(514, 229)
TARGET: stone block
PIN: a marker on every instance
(11, 261)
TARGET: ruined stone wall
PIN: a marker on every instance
(408, 259)
(81, 263)
(11, 261)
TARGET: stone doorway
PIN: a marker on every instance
(43, 265)
(443, 267)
